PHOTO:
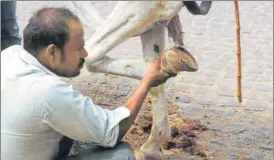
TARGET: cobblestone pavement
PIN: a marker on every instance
(240, 131)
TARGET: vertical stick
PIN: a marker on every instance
(239, 70)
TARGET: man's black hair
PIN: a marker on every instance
(47, 26)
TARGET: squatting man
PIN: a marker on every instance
(41, 114)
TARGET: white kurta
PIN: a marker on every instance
(38, 108)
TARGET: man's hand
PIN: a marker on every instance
(155, 75)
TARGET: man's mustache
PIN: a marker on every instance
(82, 61)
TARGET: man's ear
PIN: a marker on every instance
(51, 52)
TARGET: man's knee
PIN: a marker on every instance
(122, 151)
(127, 150)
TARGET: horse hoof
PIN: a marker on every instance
(139, 155)
(178, 59)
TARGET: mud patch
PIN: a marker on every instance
(184, 131)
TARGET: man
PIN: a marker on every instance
(38, 109)
(9, 27)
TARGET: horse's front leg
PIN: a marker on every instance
(132, 68)
(153, 44)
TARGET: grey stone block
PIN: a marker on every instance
(255, 105)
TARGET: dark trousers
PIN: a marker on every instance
(65, 145)
(9, 27)
(122, 151)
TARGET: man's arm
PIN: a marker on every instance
(152, 78)
(134, 104)
(73, 115)
(70, 113)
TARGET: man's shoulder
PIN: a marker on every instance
(57, 88)
(11, 51)
(49, 89)
(10, 56)
(53, 83)
(57, 84)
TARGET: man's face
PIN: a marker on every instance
(72, 59)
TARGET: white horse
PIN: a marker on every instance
(148, 20)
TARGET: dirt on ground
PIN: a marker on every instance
(184, 131)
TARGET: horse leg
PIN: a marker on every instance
(153, 44)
